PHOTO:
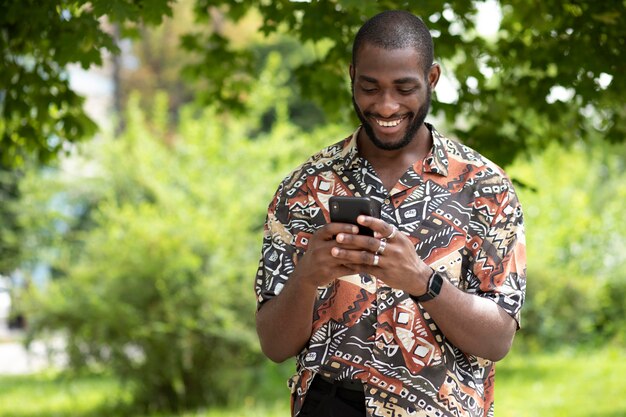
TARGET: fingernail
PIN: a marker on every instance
(340, 237)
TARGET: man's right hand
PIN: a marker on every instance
(284, 323)
(318, 267)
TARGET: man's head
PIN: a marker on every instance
(396, 29)
(393, 75)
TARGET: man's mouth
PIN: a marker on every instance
(389, 123)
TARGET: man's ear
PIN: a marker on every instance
(433, 75)
(351, 73)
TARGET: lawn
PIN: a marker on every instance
(567, 383)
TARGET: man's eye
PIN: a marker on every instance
(369, 90)
(407, 90)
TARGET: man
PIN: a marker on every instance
(410, 321)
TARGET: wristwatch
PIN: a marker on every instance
(435, 282)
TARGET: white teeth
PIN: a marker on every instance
(391, 123)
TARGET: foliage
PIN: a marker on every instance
(151, 63)
(10, 247)
(558, 61)
(158, 63)
(576, 47)
(156, 286)
(511, 88)
(40, 114)
(576, 238)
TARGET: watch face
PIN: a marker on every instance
(435, 285)
(434, 288)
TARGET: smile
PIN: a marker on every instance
(389, 123)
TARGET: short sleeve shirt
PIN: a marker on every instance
(461, 213)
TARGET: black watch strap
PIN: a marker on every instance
(435, 282)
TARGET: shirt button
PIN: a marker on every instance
(387, 201)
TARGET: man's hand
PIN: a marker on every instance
(389, 256)
(475, 324)
(318, 267)
(284, 323)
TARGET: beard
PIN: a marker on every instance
(415, 121)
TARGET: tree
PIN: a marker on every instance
(541, 48)
(157, 62)
(559, 61)
(40, 114)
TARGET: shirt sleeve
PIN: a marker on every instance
(500, 258)
(277, 252)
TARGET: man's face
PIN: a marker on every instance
(391, 95)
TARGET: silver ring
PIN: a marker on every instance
(376, 259)
(393, 233)
(381, 248)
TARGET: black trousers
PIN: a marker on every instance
(325, 399)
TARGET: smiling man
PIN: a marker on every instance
(408, 322)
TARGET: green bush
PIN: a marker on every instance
(576, 238)
(611, 316)
(157, 286)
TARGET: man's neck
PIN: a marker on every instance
(391, 165)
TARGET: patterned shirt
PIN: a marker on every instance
(462, 214)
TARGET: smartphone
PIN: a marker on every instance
(347, 209)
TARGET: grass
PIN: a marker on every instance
(53, 395)
(567, 383)
(572, 383)
(50, 394)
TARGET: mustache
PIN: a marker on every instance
(393, 116)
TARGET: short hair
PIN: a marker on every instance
(396, 29)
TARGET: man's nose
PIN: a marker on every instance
(388, 105)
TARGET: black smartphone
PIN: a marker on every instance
(347, 209)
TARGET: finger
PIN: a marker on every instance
(330, 230)
(381, 228)
(377, 225)
(357, 257)
(351, 241)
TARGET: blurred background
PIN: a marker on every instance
(141, 142)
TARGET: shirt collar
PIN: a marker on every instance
(435, 162)
(350, 152)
